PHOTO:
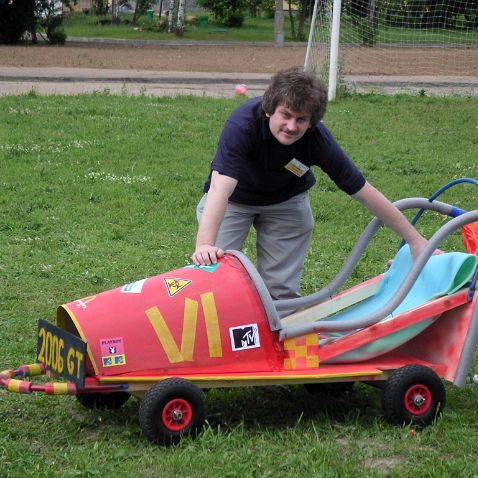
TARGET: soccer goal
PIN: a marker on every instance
(418, 43)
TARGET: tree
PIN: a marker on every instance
(16, 17)
(279, 23)
(49, 16)
(170, 16)
(304, 8)
(115, 11)
(180, 22)
(140, 9)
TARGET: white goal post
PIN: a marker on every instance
(418, 42)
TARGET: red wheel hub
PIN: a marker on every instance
(177, 414)
(418, 399)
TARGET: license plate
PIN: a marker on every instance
(64, 354)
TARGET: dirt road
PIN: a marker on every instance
(213, 69)
(234, 58)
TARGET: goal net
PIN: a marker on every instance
(415, 41)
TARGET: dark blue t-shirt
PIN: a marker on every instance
(248, 152)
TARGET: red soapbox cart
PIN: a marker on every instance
(165, 338)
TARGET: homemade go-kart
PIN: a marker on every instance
(165, 338)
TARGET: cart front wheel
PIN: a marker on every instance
(172, 409)
(413, 394)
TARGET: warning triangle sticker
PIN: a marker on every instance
(173, 285)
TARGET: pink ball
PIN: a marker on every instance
(241, 89)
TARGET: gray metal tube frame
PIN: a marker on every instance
(468, 351)
(370, 319)
(352, 260)
(267, 302)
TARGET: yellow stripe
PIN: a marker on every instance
(242, 378)
(14, 385)
(6, 373)
(34, 370)
(164, 335)
(212, 324)
(82, 335)
(189, 329)
(60, 389)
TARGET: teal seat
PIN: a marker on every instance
(444, 274)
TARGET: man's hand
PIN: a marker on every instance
(381, 207)
(206, 254)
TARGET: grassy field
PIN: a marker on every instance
(259, 29)
(253, 29)
(99, 190)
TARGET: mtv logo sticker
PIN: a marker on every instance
(245, 337)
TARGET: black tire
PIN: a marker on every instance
(414, 395)
(332, 388)
(171, 409)
(103, 400)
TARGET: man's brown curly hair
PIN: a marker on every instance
(298, 90)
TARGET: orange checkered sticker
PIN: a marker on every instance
(301, 352)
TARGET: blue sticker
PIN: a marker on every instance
(210, 268)
(114, 360)
(134, 287)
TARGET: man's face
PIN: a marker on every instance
(288, 126)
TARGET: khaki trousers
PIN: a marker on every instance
(284, 232)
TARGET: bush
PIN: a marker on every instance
(50, 18)
(54, 32)
(268, 7)
(227, 12)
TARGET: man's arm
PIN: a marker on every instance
(381, 207)
(216, 202)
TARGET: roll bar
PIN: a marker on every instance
(419, 263)
(353, 258)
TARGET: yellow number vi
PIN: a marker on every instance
(188, 339)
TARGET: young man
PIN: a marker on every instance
(261, 176)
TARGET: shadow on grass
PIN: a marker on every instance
(282, 407)
(252, 408)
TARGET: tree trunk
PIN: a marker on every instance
(170, 16)
(291, 18)
(180, 22)
(136, 11)
(372, 17)
(302, 17)
(115, 12)
(279, 23)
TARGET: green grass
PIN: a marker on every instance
(99, 190)
(260, 29)
(254, 29)
(350, 33)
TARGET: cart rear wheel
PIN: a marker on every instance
(172, 409)
(103, 400)
(413, 394)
